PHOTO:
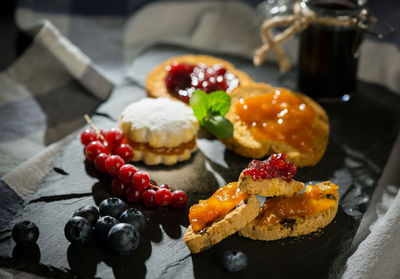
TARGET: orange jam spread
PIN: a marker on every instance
(162, 150)
(216, 207)
(278, 115)
(314, 199)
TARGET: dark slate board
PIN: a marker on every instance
(363, 131)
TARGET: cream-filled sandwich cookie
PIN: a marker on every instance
(160, 131)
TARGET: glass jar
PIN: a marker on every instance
(328, 55)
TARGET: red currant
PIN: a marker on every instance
(133, 195)
(148, 198)
(125, 152)
(117, 187)
(93, 149)
(141, 180)
(113, 164)
(114, 137)
(126, 173)
(166, 186)
(88, 136)
(179, 199)
(100, 160)
(163, 197)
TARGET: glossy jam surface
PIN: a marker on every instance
(182, 79)
(274, 167)
(278, 115)
(314, 199)
(162, 150)
(216, 207)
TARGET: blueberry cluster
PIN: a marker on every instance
(113, 224)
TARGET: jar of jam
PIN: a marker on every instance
(328, 54)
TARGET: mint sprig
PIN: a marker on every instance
(210, 109)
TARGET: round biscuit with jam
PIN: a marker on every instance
(179, 76)
(160, 131)
(270, 120)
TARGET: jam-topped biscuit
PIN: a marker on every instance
(179, 76)
(270, 178)
(301, 214)
(271, 120)
(224, 213)
(160, 131)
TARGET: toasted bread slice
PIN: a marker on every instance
(244, 143)
(155, 83)
(270, 187)
(234, 221)
(293, 226)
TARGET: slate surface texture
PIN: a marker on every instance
(363, 131)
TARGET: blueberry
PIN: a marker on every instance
(234, 260)
(89, 212)
(78, 231)
(135, 218)
(123, 239)
(112, 207)
(25, 233)
(103, 226)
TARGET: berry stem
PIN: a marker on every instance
(154, 186)
(89, 121)
(158, 187)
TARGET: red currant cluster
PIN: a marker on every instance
(109, 154)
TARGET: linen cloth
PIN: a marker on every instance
(48, 89)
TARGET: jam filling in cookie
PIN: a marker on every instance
(314, 199)
(162, 150)
(160, 131)
(216, 207)
(279, 115)
(182, 79)
(274, 167)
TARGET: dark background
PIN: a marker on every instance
(13, 41)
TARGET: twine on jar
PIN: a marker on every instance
(297, 22)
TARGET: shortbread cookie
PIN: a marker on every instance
(282, 217)
(199, 238)
(274, 120)
(160, 131)
(270, 178)
(191, 75)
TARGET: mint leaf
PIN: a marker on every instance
(219, 126)
(210, 109)
(219, 102)
(199, 104)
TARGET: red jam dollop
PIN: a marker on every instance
(279, 115)
(183, 79)
(315, 198)
(216, 207)
(274, 167)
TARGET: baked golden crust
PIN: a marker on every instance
(155, 83)
(234, 221)
(269, 187)
(150, 158)
(246, 145)
(292, 227)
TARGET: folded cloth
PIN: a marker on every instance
(376, 246)
(44, 96)
(378, 255)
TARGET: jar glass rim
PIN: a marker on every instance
(335, 7)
